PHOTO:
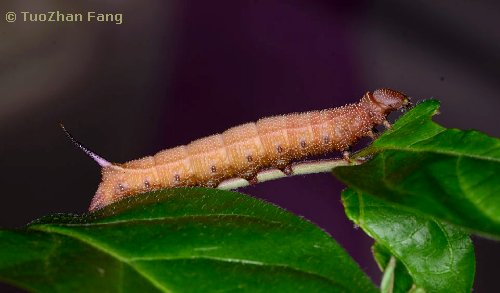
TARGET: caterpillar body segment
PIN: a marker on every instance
(245, 150)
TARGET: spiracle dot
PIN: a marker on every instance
(121, 187)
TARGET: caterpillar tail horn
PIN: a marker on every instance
(99, 160)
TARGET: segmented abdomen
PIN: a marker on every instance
(244, 150)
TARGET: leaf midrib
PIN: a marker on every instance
(163, 218)
(129, 262)
(413, 147)
(434, 151)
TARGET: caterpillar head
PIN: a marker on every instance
(387, 100)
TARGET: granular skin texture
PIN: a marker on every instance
(245, 150)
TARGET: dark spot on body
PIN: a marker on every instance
(249, 158)
(279, 149)
(326, 139)
(303, 143)
(177, 178)
(146, 184)
(213, 169)
(121, 187)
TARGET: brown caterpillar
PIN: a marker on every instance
(244, 150)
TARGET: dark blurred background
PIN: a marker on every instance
(175, 71)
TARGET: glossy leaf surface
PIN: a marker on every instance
(449, 174)
(179, 240)
(438, 257)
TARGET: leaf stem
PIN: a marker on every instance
(387, 284)
(302, 168)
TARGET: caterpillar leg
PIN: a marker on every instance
(407, 106)
(373, 134)
(346, 155)
(284, 166)
(287, 170)
(211, 184)
(251, 176)
(386, 124)
(252, 180)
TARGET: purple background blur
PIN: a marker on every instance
(175, 71)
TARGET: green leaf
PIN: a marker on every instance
(179, 240)
(438, 257)
(449, 174)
